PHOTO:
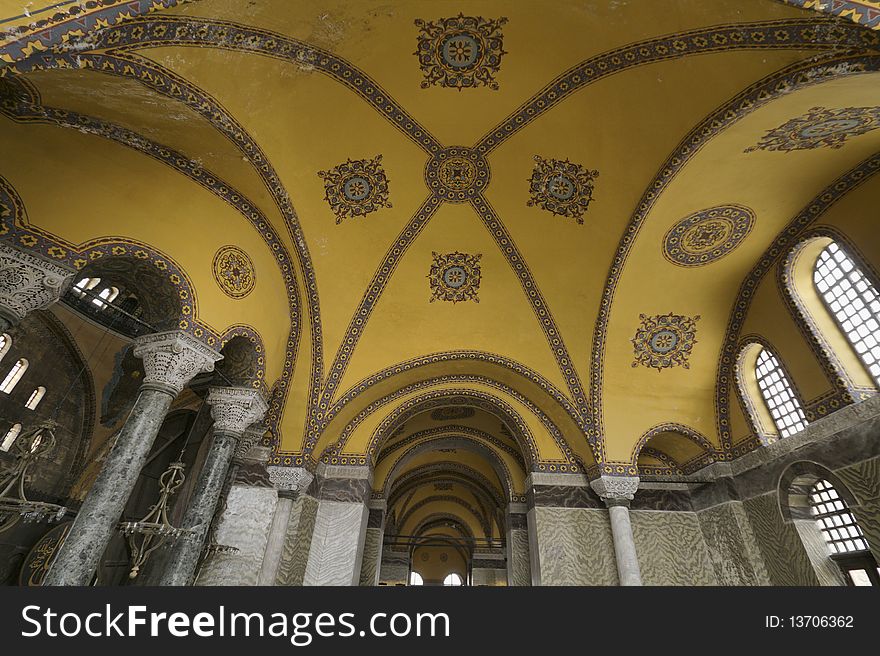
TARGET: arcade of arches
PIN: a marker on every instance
(467, 293)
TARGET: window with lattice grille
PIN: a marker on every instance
(784, 407)
(853, 301)
(839, 526)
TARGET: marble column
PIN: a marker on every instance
(243, 522)
(233, 410)
(27, 283)
(296, 484)
(372, 560)
(518, 570)
(286, 550)
(171, 359)
(336, 551)
(617, 492)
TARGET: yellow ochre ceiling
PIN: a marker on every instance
(470, 199)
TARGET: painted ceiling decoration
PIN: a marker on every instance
(455, 277)
(863, 12)
(371, 163)
(234, 272)
(356, 188)
(664, 340)
(561, 187)
(820, 127)
(461, 52)
(708, 235)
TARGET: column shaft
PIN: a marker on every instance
(181, 566)
(624, 546)
(79, 556)
(276, 540)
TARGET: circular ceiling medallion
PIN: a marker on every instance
(707, 235)
(234, 272)
(356, 188)
(460, 51)
(820, 127)
(457, 174)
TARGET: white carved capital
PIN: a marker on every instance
(28, 283)
(291, 479)
(172, 359)
(236, 408)
(615, 488)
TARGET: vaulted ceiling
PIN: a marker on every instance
(473, 239)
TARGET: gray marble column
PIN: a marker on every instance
(171, 360)
(233, 410)
(27, 283)
(336, 551)
(617, 492)
(372, 560)
(518, 569)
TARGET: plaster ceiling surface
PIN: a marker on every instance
(454, 204)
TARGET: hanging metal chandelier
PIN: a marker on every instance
(28, 447)
(155, 530)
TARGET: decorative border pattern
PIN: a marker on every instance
(863, 12)
(70, 24)
(548, 423)
(453, 431)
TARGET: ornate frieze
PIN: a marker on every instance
(172, 359)
(235, 408)
(28, 283)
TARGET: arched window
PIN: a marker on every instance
(35, 398)
(9, 438)
(842, 533)
(416, 579)
(853, 301)
(5, 344)
(784, 407)
(452, 579)
(109, 294)
(14, 376)
(85, 284)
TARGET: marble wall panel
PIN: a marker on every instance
(671, 548)
(571, 546)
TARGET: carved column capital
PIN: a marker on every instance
(172, 359)
(250, 438)
(290, 479)
(28, 283)
(236, 408)
(616, 490)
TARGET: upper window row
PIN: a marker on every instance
(14, 375)
(854, 303)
